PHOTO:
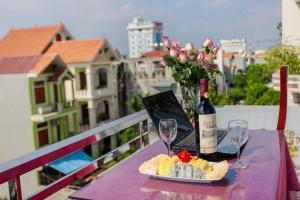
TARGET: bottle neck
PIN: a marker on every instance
(203, 90)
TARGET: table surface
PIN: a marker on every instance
(258, 181)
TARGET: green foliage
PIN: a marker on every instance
(218, 98)
(250, 87)
(254, 92)
(284, 55)
(269, 97)
(126, 135)
(236, 95)
(258, 73)
(136, 102)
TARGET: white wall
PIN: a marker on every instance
(259, 117)
(290, 22)
(16, 136)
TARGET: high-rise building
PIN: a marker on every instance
(144, 36)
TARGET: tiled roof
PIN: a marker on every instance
(27, 41)
(18, 65)
(43, 63)
(74, 51)
(154, 54)
(229, 54)
(28, 64)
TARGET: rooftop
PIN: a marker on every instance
(154, 54)
(18, 65)
(28, 41)
(74, 51)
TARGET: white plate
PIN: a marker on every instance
(187, 180)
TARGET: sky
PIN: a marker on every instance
(184, 20)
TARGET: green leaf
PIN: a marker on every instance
(173, 87)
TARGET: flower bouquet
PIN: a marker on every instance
(188, 65)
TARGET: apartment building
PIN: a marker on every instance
(144, 36)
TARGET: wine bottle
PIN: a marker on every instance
(205, 125)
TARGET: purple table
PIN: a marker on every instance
(259, 181)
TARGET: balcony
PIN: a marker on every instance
(12, 170)
(259, 117)
(42, 110)
(98, 93)
(52, 111)
(81, 94)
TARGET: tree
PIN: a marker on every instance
(284, 55)
(269, 97)
(136, 103)
(250, 87)
(279, 28)
(254, 92)
(258, 73)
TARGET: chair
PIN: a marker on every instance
(283, 98)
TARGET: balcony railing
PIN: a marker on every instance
(81, 94)
(12, 170)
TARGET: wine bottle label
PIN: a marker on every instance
(208, 133)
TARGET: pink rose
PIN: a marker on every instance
(175, 44)
(163, 62)
(215, 49)
(166, 41)
(208, 43)
(183, 56)
(189, 46)
(173, 51)
(201, 56)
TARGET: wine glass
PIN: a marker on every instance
(237, 130)
(168, 131)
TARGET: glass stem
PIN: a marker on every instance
(238, 153)
(169, 149)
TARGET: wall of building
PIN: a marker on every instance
(16, 137)
(291, 22)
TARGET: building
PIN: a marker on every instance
(94, 65)
(145, 75)
(290, 22)
(144, 36)
(234, 45)
(52, 87)
(231, 57)
(35, 108)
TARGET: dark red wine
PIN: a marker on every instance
(205, 125)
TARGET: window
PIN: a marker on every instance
(43, 137)
(68, 38)
(58, 37)
(39, 92)
(102, 77)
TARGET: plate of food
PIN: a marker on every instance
(185, 168)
